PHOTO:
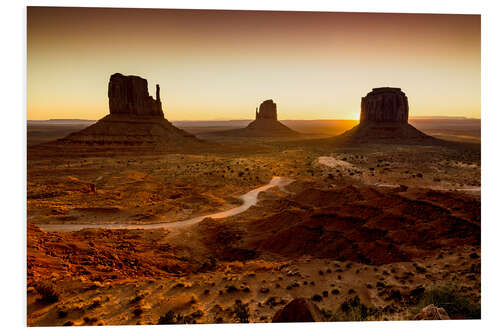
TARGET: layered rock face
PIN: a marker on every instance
(267, 110)
(384, 105)
(129, 95)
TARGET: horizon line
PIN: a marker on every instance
(320, 119)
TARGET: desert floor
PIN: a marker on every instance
(385, 224)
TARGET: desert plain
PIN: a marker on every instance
(372, 231)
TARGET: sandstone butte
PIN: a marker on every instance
(384, 119)
(135, 118)
(266, 124)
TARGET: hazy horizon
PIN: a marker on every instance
(251, 119)
(222, 64)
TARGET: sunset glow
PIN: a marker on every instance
(222, 64)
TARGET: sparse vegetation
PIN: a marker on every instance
(449, 297)
(241, 311)
(168, 318)
(353, 310)
(47, 291)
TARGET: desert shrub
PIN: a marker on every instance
(137, 311)
(241, 311)
(317, 298)
(449, 297)
(231, 289)
(167, 319)
(89, 320)
(197, 314)
(62, 314)
(136, 299)
(187, 319)
(328, 314)
(419, 269)
(47, 291)
(353, 310)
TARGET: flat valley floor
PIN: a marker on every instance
(367, 232)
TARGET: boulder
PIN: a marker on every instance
(299, 310)
(432, 312)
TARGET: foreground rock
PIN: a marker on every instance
(432, 312)
(266, 124)
(384, 119)
(135, 118)
(299, 310)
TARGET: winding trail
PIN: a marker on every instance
(249, 199)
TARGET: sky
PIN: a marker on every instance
(220, 65)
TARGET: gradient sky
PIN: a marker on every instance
(221, 64)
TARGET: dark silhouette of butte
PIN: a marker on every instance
(266, 124)
(384, 119)
(135, 118)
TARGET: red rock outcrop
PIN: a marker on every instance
(384, 105)
(299, 310)
(267, 110)
(384, 119)
(129, 95)
(135, 118)
(266, 124)
(432, 312)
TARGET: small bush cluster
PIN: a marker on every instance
(353, 310)
(241, 311)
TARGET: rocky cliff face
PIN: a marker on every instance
(129, 95)
(384, 105)
(267, 110)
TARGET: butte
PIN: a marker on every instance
(384, 119)
(266, 124)
(135, 119)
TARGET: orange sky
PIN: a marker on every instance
(222, 64)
